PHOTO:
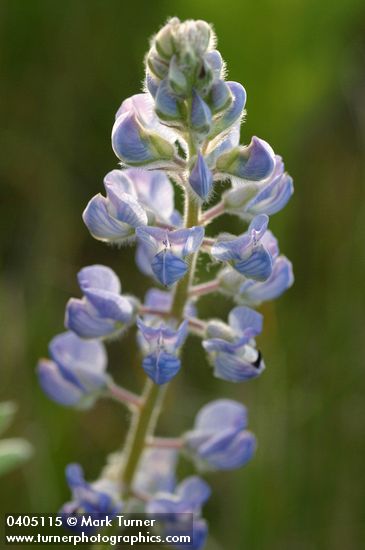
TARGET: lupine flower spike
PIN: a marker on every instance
(181, 132)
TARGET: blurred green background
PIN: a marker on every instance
(65, 68)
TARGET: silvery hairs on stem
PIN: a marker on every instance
(182, 130)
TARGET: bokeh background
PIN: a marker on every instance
(65, 68)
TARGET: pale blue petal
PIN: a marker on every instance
(155, 192)
(257, 161)
(152, 84)
(195, 491)
(258, 266)
(220, 95)
(235, 455)
(154, 239)
(127, 141)
(101, 224)
(214, 60)
(160, 300)
(143, 259)
(174, 339)
(109, 305)
(186, 241)
(258, 226)
(71, 352)
(156, 471)
(270, 243)
(280, 280)
(221, 414)
(167, 107)
(233, 249)
(98, 276)
(125, 207)
(82, 319)
(234, 369)
(119, 179)
(275, 198)
(56, 386)
(241, 318)
(234, 112)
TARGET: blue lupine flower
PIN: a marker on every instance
(219, 440)
(161, 301)
(220, 96)
(165, 251)
(76, 372)
(231, 348)
(253, 293)
(255, 161)
(102, 312)
(252, 253)
(166, 104)
(188, 498)
(134, 197)
(216, 63)
(156, 471)
(234, 112)
(161, 346)
(101, 498)
(201, 178)
(263, 197)
(138, 138)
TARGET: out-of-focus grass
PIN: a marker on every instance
(65, 67)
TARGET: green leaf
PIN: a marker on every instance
(13, 452)
(7, 411)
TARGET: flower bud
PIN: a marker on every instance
(271, 195)
(201, 116)
(220, 96)
(177, 79)
(166, 104)
(201, 178)
(233, 113)
(152, 84)
(164, 40)
(215, 61)
(204, 78)
(156, 65)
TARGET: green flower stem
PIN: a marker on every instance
(142, 426)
